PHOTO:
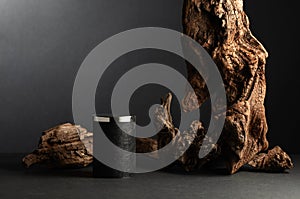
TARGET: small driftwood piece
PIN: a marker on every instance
(66, 145)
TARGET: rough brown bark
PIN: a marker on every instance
(275, 160)
(222, 28)
(146, 145)
(65, 145)
(193, 137)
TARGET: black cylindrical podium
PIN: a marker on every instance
(120, 131)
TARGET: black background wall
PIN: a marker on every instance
(43, 43)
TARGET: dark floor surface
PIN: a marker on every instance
(17, 182)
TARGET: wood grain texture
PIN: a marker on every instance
(222, 28)
(66, 145)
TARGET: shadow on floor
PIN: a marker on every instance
(13, 162)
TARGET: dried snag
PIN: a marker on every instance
(222, 28)
(65, 145)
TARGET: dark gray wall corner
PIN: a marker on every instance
(43, 43)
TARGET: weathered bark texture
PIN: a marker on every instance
(222, 28)
(275, 160)
(193, 137)
(65, 145)
(146, 145)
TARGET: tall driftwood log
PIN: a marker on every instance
(222, 28)
(66, 145)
